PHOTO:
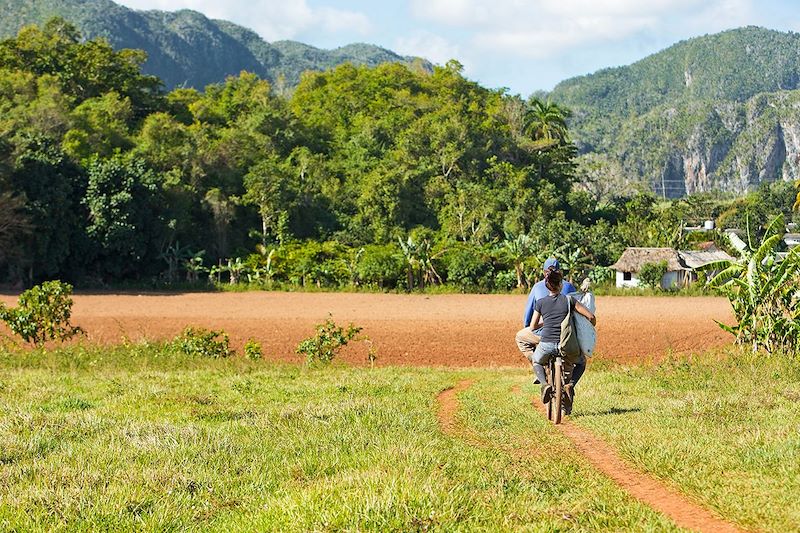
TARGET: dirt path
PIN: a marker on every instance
(463, 330)
(684, 512)
(649, 490)
(448, 405)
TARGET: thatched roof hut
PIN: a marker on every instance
(632, 259)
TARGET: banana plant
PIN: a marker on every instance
(517, 250)
(410, 253)
(573, 261)
(194, 267)
(763, 291)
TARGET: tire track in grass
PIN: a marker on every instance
(681, 510)
(645, 488)
(448, 405)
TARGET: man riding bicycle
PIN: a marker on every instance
(535, 340)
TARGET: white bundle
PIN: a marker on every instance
(587, 336)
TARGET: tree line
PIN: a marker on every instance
(387, 176)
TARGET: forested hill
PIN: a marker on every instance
(714, 112)
(387, 177)
(185, 48)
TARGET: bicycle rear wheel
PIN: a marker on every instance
(558, 391)
(549, 373)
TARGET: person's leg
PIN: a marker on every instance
(527, 341)
(577, 372)
(540, 358)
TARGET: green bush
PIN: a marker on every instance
(42, 314)
(505, 280)
(196, 341)
(326, 343)
(469, 267)
(252, 350)
(382, 265)
(600, 275)
(651, 274)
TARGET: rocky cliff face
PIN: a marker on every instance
(727, 146)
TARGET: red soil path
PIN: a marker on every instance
(682, 511)
(448, 330)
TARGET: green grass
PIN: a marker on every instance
(724, 428)
(139, 438)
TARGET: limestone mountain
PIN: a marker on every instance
(720, 112)
(185, 48)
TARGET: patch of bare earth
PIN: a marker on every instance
(465, 330)
(448, 405)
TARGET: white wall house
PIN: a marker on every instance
(630, 279)
(632, 259)
(681, 266)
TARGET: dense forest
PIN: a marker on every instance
(388, 177)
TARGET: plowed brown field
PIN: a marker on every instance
(450, 330)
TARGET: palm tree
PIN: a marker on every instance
(546, 123)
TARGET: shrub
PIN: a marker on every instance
(252, 350)
(505, 280)
(651, 274)
(600, 275)
(196, 341)
(326, 343)
(42, 314)
(469, 267)
(382, 265)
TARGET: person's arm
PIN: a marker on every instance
(580, 308)
(536, 321)
(526, 318)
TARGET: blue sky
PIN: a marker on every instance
(524, 45)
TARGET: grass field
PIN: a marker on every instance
(138, 438)
(724, 428)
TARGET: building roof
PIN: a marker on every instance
(632, 259)
(699, 258)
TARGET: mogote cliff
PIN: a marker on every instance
(728, 146)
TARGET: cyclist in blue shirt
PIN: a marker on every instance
(527, 339)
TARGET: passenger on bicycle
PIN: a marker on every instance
(527, 338)
(549, 312)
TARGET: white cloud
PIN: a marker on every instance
(272, 19)
(542, 28)
(430, 46)
(722, 15)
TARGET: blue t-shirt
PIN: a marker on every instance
(538, 292)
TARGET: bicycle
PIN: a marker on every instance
(556, 378)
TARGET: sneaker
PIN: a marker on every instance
(547, 392)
